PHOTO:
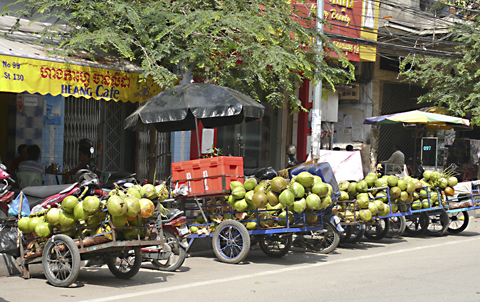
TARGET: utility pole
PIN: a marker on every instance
(317, 92)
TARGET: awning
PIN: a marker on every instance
(25, 67)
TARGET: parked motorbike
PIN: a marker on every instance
(6, 195)
(172, 255)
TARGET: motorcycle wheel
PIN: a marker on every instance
(357, 233)
(126, 264)
(276, 245)
(176, 258)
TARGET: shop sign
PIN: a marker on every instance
(18, 74)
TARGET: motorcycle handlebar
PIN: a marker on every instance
(11, 180)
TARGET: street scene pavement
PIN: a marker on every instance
(394, 269)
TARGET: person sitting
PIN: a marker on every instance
(22, 155)
(85, 156)
(336, 149)
(396, 160)
(32, 164)
(349, 148)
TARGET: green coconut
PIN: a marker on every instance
(365, 215)
(286, 198)
(381, 182)
(442, 183)
(117, 206)
(133, 207)
(134, 192)
(343, 185)
(298, 190)
(452, 181)
(79, 213)
(373, 208)
(250, 184)
(313, 202)
(381, 196)
(91, 204)
(53, 216)
(402, 184)
(147, 208)
(362, 186)
(305, 179)
(380, 205)
(67, 220)
(148, 191)
(43, 229)
(427, 174)
(249, 196)
(272, 198)
(362, 201)
(259, 200)
(282, 218)
(317, 179)
(238, 192)
(320, 188)
(326, 202)
(231, 201)
(23, 225)
(417, 205)
(119, 221)
(370, 180)
(411, 187)
(392, 180)
(278, 184)
(395, 192)
(162, 192)
(261, 187)
(236, 184)
(241, 205)
(434, 176)
(69, 203)
(251, 225)
(344, 195)
(311, 218)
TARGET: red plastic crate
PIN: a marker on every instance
(208, 176)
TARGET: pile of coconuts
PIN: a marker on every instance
(90, 216)
(273, 199)
(370, 195)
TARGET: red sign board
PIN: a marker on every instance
(345, 18)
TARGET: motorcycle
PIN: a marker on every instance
(175, 231)
(5, 194)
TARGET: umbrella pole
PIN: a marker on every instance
(198, 139)
(415, 149)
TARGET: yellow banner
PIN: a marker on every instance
(19, 75)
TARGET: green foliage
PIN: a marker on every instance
(246, 45)
(454, 82)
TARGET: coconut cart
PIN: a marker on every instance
(61, 250)
(213, 211)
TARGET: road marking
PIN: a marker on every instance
(277, 271)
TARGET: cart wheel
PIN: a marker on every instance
(397, 226)
(276, 245)
(458, 222)
(358, 231)
(328, 240)
(231, 242)
(346, 234)
(177, 256)
(416, 224)
(126, 264)
(378, 230)
(61, 261)
(438, 222)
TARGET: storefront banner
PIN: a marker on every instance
(18, 74)
(346, 165)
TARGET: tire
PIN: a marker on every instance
(416, 224)
(357, 233)
(61, 261)
(276, 245)
(397, 226)
(458, 222)
(231, 242)
(126, 264)
(328, 240)
(438, 222)
(346, 234)
(3, 213)
(378, 230)
(177, 257)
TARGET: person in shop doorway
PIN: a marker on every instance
(22, 155)
(32, 164)
(397, 157)
(349, 148)
(85, 157)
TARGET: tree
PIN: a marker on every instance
(258, 47)
(454, 81)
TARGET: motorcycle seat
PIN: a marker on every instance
(172, 214)
(45, 191)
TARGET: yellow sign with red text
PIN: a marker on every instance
(18, 74)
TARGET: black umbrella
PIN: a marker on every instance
(181, 107)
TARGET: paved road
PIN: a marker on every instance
(404, 269)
